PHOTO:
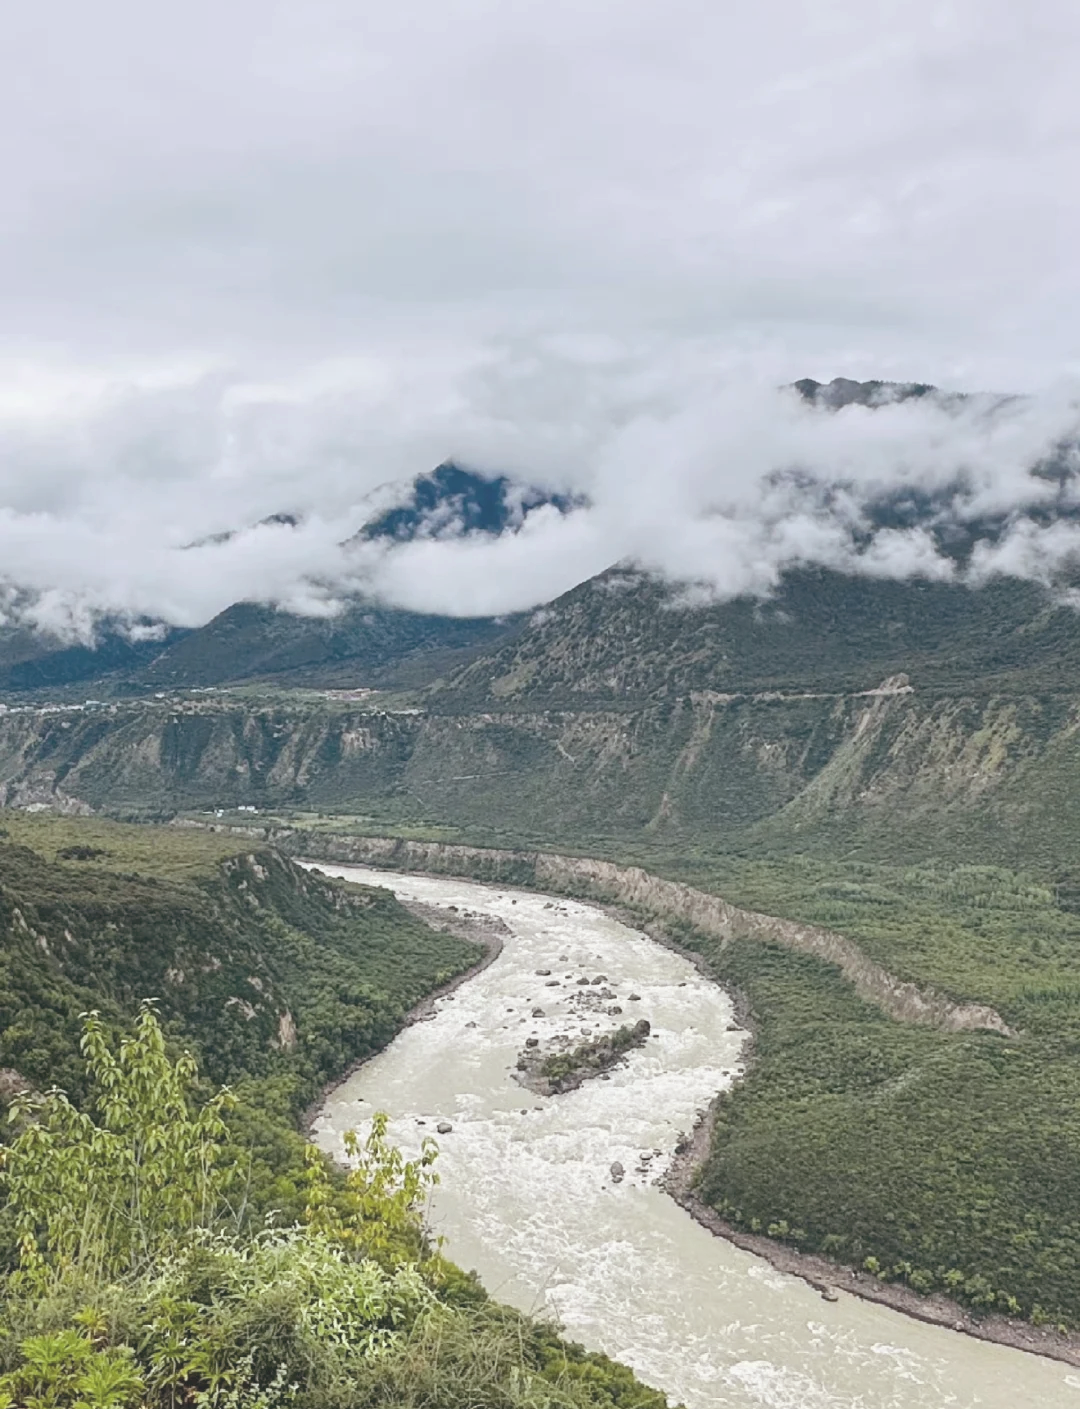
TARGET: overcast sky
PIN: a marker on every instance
(261, 257)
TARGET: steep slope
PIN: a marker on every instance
(902, 717)
(452, 501)
(625, 638)
(266, 968)
(894, 770)
(31, 660)
(366, 645)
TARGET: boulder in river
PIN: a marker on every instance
(544, 973)
(538, 1012)
(617, 1172)
(444, 1127)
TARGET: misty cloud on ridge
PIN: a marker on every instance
(723, 484)
(282, 259)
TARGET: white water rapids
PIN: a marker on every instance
(527, 1198)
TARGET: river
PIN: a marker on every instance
(527, 1198)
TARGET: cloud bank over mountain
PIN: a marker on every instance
(132, 508)
(265, 260)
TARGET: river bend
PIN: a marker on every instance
(527, 1197)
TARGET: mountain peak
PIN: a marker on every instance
(843, 391)
(452, 500)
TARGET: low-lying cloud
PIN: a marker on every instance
(712, 480)
(266, 259)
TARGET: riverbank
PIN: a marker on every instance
(833, 1278)
(488, 931)
(822, 1273)
(527, 1200)
(827, 1277)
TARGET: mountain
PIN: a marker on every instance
(31, 660)
(895, 762)
(843, 391)
(626, 639)
(899, 718)
(453, 501)
(365, 645)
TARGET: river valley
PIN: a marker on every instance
(527, 1197)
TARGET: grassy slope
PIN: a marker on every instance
(106, 929)
(952, 1160)
(240, 951)
(952, 1154)
(621, 640)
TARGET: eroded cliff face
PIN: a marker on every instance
(885, 765)
(667, 901)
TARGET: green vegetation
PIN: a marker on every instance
(623, 639)
(275, 975)
(174, 853)
(948, 1161)
(565, 1070)
(138, 1282)
(982, 933)
(743, 747)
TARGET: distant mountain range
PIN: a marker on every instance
(842, 391)
(367, 644)
(619, 637)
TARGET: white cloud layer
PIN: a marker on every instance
(719, 482)
(268, 257)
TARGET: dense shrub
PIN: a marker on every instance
(136, 1288)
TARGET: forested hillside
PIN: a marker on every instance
(900, 762)
(161, 1244)
(265, 968)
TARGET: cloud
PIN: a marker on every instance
(267, 259)
(722, 483)
(877, 186)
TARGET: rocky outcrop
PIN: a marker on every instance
(909, 772)
(664, 899)
(564, 1068)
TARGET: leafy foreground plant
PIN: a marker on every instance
(135, 1284)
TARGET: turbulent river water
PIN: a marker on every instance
(527, 1198)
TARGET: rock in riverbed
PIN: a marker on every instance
(561, 1068)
